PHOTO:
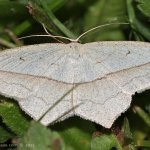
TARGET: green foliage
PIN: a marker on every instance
(144, 6)
(5, 134)
(105, 142)
(38, 137)
(75, 134)
(71, 18)
(140, 28)
(143, 115)
(13, 118)
(102, 12)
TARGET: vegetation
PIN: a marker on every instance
(19, 18)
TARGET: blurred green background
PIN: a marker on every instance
(70, 18)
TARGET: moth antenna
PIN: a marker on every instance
(45, 29)
(50, 35)
(69, 39)
(97, 27)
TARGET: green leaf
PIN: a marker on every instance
(13, 117)
(7, 43)
(23, 26)
(137, 25)
(55, 5)
(38, 137)
(43, 14)
(144, 143)
(128, 136)
(144, 7)
(105, 142)
(75, 133)
(5, 134)
(143, 115)
(126, 130)
(12, 11)
(102, 12)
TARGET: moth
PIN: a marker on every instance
(101, 78)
